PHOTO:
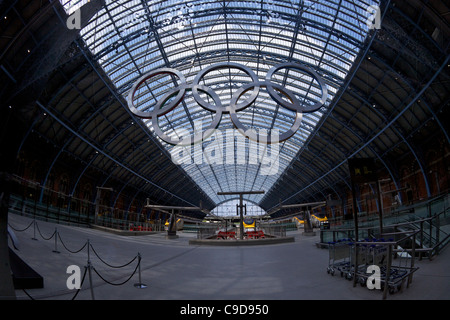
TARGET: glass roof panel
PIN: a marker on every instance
(131, 37)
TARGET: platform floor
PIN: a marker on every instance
(174, 270)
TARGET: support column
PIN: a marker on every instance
(6, 283)
(241, 206)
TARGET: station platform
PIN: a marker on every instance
(173, 269)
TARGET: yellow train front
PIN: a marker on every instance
(315, 221)
(179, 225)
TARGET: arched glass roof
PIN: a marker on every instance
(129, 38)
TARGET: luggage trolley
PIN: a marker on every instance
(340, 257)
(370, 254)
(377, 253)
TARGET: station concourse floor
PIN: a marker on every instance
(173, 269)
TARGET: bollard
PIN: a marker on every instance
(88, 245)
(140, 285)
(56, 241)
(34, 230)
(89, 267)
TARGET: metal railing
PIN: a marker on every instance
(432, 232)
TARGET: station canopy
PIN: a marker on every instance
(130, 38)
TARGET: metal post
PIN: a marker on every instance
(97, 199)
(388, 271)
(355, 217)
(140, 285)
(6, 280)
(241, 216)
(413, 257)
(438, 231)
(34, 229)
(380, 204)
(88, 250)
(241, 205)
(56, 241)
(172, 229)
(89, 266)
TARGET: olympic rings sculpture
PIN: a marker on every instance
(178, 93)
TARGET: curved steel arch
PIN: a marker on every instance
(267, 40)
(389, 124)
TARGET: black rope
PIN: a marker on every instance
(59, 236)
(112, 265)
(76, 293)
(28, 294)
(56, 234)
(81, 285)
(37, 226)
(118, 284)
(22, 229)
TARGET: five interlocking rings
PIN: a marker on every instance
(177, 94)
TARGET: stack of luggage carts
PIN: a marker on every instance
(340, 258)
(352, 259)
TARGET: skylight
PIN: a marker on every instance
(132, 37)
(70, 6)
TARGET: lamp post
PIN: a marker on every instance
(241, 206)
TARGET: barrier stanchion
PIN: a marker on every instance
(34, 229)
(89, 268)
(71, 251)
(140, 285)
(56, 241)
(88, 250)
(81, 285)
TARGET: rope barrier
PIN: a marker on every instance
(21, 230)
(40, 233)
(112, 265)
(56, 241)
(117, 284)
(81, 285)
(62, 242)
(89, 265)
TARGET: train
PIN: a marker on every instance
(315, 221)
(179, 224)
